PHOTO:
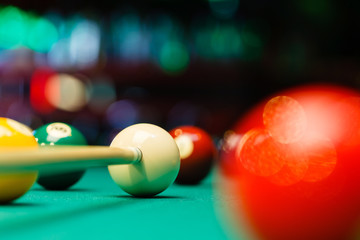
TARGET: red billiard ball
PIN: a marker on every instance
(197, 153)
(298, 166)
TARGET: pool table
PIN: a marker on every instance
(96, 208)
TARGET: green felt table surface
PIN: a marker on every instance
(96, 208)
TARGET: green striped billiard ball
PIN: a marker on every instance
(59, 134)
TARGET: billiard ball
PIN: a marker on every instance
(298, 166)
(197, 153)
(14, 134)
(159, 164)
(59, 134)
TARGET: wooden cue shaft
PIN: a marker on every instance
(60, 159)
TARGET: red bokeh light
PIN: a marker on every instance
(285, 119)
(259, 154)
(38, 98)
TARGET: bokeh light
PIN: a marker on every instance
(38, 41)
(253, 41)
(174, 57)
(19, 28)
(217, 41)
(38, 99)
(129, 38)
(226, 42)
(285, 119)
(224, 8)
(122, 114)
(13, 29)
(20, 111)
(251, 155)
(163, 30)
(85, 55)
(101, 93)
(59, 55)
(66, 92)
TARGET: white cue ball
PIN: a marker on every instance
(158, 167)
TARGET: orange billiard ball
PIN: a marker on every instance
(197, 153)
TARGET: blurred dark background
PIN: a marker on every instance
(104, 65)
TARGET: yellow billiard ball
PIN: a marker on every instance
(15, 134)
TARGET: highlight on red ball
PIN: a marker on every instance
(293, 165)
(197, 153)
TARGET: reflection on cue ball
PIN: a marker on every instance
(59, 134)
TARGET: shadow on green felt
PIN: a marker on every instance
(204, 185)
(16, 205)
(28, 220)
(65, 190)
(152, 197)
